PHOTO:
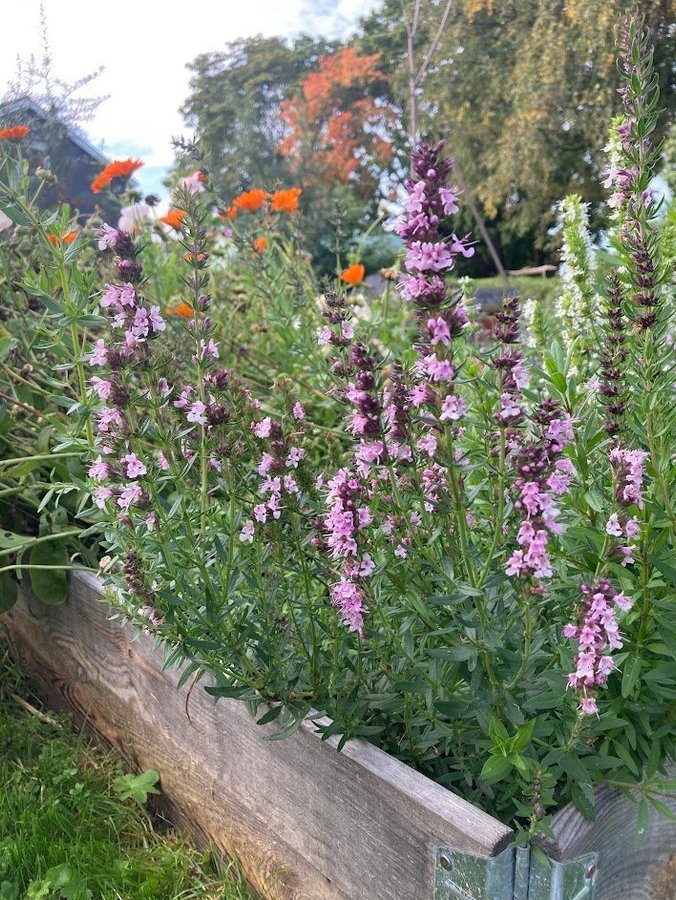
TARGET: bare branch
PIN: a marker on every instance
(433, 46)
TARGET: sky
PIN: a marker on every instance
(144, 46)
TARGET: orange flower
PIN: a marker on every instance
(183, 310)
(174, 218)
(286, 201)
(353, 275)
(260, 245)
(15, 133)
(251, 200)
(198, 258)
(119, 168)
(229, 215)
(67, 237)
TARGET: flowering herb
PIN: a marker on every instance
(456, 546)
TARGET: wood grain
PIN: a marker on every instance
(626, 870)
(307, 823)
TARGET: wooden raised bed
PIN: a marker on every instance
(306, 822)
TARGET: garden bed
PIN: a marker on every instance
(305, 821)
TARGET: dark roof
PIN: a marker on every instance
(24, 105)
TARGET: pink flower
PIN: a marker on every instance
(193, 183)
(521, 376)
(162, 461)
(260, 512)
(108, 237)
(298, 412)
(453, 408)
(427, 444)
(107, 417)
(294, 457)
(508, 408)
(99, 355)
(99, 469)
(151, 521)
(157, 323)
(632, 528)
(459, 245)
(426, 256)
(449, 200)
(267, 461)
(101, 494)
(135, 467)
(262, 429)
(246, 535)
(197, 413)
(613, 526)
(589, 706)
(130, 496)
(347, 596)
(102, 387)
(324, 336)
(438, 331)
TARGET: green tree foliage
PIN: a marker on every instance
(522, 90)
(235, 101)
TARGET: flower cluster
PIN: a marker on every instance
(597, 633)
(277, 469)
(348, 515)
(542, 473)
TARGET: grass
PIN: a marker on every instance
(74, 825)
(534, 287)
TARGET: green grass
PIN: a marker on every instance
(534, 287)
(69, 827)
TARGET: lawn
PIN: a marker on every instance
(74, 824)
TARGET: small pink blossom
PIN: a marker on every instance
(135, 467)
(246, 535)
(99, 470)
(613, 526)
(453, 408)
(130, 496)
(262, 429)
(108, 237)
(298, 412)
(197, 413)
(99, 355)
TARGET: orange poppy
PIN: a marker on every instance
(119, 168)
(15, 133)
(260, 245)
(174, 218)
(251, 200)
(353, 275)
(67, 237)
(286, 201)
(183, 310)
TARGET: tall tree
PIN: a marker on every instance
(523, 91)
(235, 101)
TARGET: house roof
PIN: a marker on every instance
(26, 105)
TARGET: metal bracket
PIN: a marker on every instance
(515, 874)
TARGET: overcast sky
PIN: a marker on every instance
(144, 46)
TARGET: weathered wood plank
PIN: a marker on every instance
(626, 870)
(308, 823)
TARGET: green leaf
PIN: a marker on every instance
(15, 215)
(49, 585)
(495, 769)
(642, 820)
(137, 787)
(631, 672)
(9, 592)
